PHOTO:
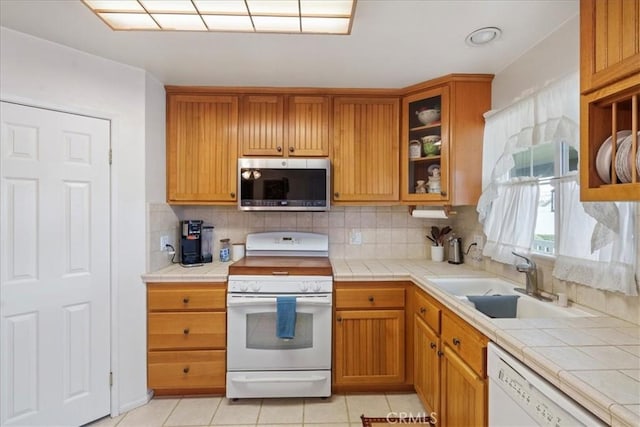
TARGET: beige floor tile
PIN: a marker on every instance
(153, 414)
(633, 349)
(243, 411)
(330, 410)
(359, 424)
(371, 405)
(281, 411)
(406, 403)
(194, 411)
(106, 421)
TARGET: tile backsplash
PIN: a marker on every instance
(385, 232)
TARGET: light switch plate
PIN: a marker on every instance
(355, 237)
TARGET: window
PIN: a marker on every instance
(547, 163)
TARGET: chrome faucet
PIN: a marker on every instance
(530, 269)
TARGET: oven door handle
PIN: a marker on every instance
(240, 301)
(310, 378)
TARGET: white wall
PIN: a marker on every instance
(552, 58)
(45, 74)
(155, 151)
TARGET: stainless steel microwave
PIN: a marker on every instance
(283, 184)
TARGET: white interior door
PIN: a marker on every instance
(55, 283)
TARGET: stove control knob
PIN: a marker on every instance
(244, 287)
(255, 286)
(317, 286)
(304, 286)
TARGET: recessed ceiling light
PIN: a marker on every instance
(483, 36)
(280, 16)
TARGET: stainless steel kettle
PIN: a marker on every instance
(455, 250)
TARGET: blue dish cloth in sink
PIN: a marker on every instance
(285, 317)
(496, 306)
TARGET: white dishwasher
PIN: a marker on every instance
(520, 397)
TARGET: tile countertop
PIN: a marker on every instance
(595, 360)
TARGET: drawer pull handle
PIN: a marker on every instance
(432, 345)
(185, 300)
(292, 149)
(371, 298)
(423, 310)
(185, 370)
(279, 149)
(186, 331)
(456, 341)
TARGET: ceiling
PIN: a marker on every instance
(393, 43)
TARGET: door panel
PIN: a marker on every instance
(54, 331)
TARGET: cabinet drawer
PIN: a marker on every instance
(428, 311)
(185, 297)
(186, 369)
(465, 341)
(370, 298)
(186, 330)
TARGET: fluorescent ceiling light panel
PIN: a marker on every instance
(325, 25)
(228, 23)
(277, 24)
(129, 21)
(273, 16)
(177, 22)
(273, 8)
(340, 8)
(232, 7)
(168, 6)
(115, 5)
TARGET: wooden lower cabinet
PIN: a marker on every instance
(463, 392)
(449, 366)
(372, 351)
(186, 338)
(426, 365)
(369, 347)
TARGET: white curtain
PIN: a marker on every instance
(605, 259)
(512, 219)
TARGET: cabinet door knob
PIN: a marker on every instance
(443, 193)
(423, 310)
(456, 341)
(292, 149)
(233, 195)
(371, 298)
(185, 331)
(339, 319)
(279, 149)
(185, 370)
(185, 300)
(336, 194)
(440, 353)
(432, 345)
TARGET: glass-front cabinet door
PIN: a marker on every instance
(425, 146)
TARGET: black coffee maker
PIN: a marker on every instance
(191, 243)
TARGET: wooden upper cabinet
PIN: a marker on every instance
(262, 119)
(308, 126)
(365, 149)
(610, 100)
(461, 101)
(609, 41)
(202, 140)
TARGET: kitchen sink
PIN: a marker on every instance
(527, 306)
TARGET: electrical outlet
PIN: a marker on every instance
(355, 237)
(479, 240)
(164, 241)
